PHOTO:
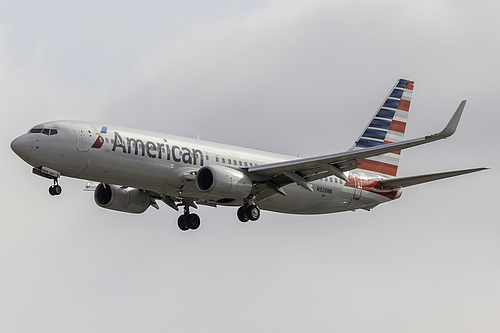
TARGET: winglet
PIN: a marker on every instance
(453, 123)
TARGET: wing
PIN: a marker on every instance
(272, 177)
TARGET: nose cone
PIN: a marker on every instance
(22, 146)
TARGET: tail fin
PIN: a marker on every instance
(387, 126)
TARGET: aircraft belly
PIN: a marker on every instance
(368, 200)
(301, 201)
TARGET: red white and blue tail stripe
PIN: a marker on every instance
(387, 125)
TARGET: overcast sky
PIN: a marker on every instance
(294, 77)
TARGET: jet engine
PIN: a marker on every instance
(123, 199)
(223, 182)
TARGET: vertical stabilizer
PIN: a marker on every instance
(387, 126)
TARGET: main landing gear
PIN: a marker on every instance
(188, 220)
(248, 213)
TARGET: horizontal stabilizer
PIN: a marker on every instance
(415, 180)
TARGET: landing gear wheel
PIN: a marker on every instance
(243, 215)
(55, 190)
(187, 220)
(193, 221)
(182, 223)
(253, 212)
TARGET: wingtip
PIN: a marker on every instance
(453, 123)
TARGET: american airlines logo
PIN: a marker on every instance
(158, 150)
(98, 142)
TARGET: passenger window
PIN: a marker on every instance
(228, 161)
(53, 132)
(36, 130)
(206, 157)
(45, 131)
(223, 160)
(216, 159)
(246, 164)
(241, 164)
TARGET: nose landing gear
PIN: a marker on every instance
(55, 189)
(50, 174)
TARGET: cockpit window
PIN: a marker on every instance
(46, 131)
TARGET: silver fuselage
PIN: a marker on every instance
(162, 163)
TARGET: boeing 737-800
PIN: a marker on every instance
(130, 170)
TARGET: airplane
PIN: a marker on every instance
(130, 170)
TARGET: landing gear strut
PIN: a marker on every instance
(50, 174)
(248, 213)
(188, 220)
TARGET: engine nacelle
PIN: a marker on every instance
(128, 199)
(223, 182)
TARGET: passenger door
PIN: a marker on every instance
(82, 138)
